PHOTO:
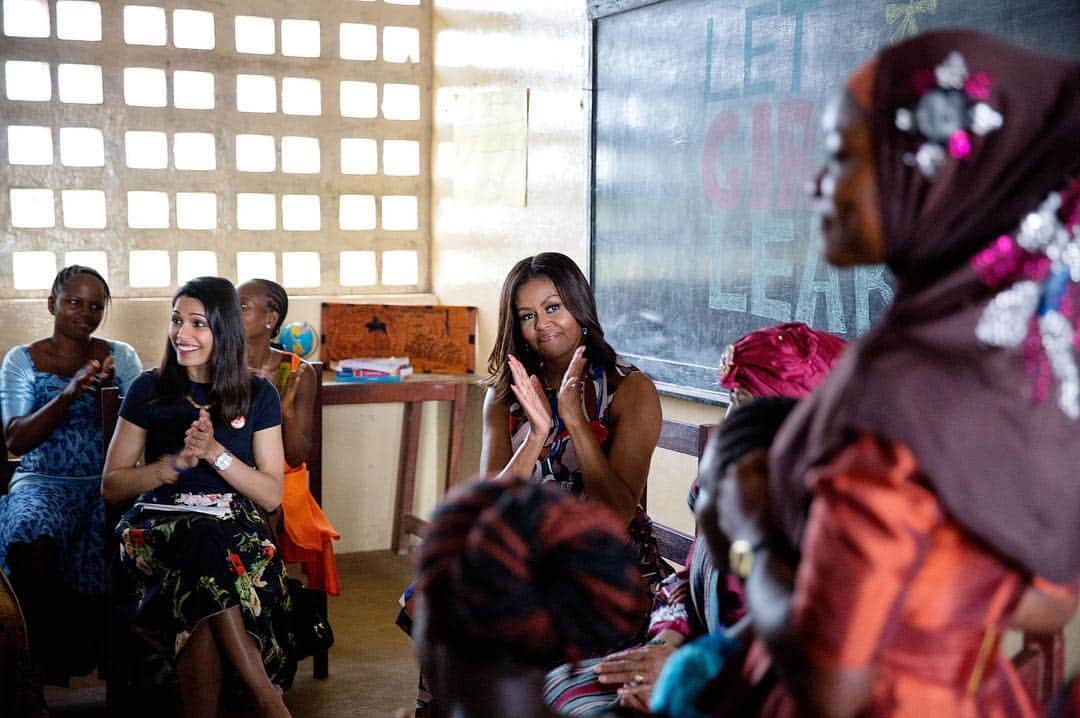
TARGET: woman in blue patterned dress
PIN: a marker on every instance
(52, 519)
(199, 443)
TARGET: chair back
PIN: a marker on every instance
(682, 438)
(314, 461)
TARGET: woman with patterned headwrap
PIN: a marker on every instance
(515, 577)
(928, 483)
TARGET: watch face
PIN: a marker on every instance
(223, 460)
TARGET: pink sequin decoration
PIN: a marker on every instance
(1036, 362)
(1073, 296)
(977, 86)
(1067, 305)
(959, 144)
(1035, 266)
(998, 262)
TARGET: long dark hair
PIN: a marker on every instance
(231, 382)
(576, 296)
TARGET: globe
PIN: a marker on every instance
(299, 338)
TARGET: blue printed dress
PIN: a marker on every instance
(56, 490)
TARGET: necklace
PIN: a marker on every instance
(196, 404)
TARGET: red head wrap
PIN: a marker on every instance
(784, 360)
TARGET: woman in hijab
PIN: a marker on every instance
(928, 483)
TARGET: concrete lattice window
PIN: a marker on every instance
(157, 141)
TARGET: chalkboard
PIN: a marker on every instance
(705, 130)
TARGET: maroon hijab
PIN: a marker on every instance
(958, 370)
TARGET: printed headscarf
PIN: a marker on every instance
(977, 146)
(783, 360)
(510, 568)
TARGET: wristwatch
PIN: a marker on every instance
(223, 460)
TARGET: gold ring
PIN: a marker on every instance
(638, 679)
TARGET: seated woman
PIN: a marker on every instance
(52, 518)
(704, 677)
(513, 578)
(928, 483)
(786, 360)
(563, 407)
(307, 537)
(200, 571)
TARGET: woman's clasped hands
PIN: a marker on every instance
(529, 391)
(199, 442)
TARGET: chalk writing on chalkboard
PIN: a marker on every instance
(706, 129)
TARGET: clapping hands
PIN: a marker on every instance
(199, 442)
(90, 377)
(530, 394)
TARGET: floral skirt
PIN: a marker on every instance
(177, 568)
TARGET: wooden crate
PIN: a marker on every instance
(435, 338)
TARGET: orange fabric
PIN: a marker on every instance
(888, 580)
(308, 535)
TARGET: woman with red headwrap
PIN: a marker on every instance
(786, 360)
(928, 483)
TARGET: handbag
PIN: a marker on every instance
(310, 627)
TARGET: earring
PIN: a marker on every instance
(584, 331)
(269, 327)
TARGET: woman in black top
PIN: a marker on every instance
(201, 571)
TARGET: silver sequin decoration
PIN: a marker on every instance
(1039, 229)
(905, 121)
(1004, 322)
(985, 118)
(942, 112)
(952, 72)
(1057, 337)
(929, 158)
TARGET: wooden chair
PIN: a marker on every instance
(1041, 665)
(681, 438)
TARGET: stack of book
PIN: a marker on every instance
(373, 369)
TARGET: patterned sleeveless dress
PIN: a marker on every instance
(559, 461)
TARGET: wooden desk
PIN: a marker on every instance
(413, 392)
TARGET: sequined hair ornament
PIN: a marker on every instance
(1038, 309)
(951, 107)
